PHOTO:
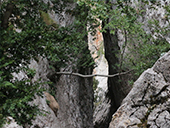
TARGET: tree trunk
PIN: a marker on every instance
(7, 14)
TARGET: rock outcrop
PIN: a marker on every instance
(52, 103)
(119, 87)
(148, 103)
(48, 121)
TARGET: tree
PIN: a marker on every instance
(27, 33)
(17, 49)
(122, 16)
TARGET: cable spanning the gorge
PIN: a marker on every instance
(86, 76)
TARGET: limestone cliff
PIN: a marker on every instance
(113, 43)
(148, 103)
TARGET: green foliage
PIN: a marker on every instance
(100, 51)
(16, 49)
(97, 93)
(41, 36)
(95, 83)
(32, 33)
(48, 20)
(142, 48)
(15, 97)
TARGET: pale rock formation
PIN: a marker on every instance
(11, 123)
(148, 103)
(96, 48)
(50, 119)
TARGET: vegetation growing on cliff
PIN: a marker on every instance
(27, 33)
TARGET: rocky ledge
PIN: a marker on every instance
(148, 103)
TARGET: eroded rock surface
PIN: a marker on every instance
(48, 121)
(148, 103)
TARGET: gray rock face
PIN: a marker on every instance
(48, 121)
(148, 103)
(42, 71)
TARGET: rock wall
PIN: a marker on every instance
(49, 120)
(42, 71)
(148, 103)
(118, 91)
(74, 94)
(96, 47)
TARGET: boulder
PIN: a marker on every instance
(148, 103)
